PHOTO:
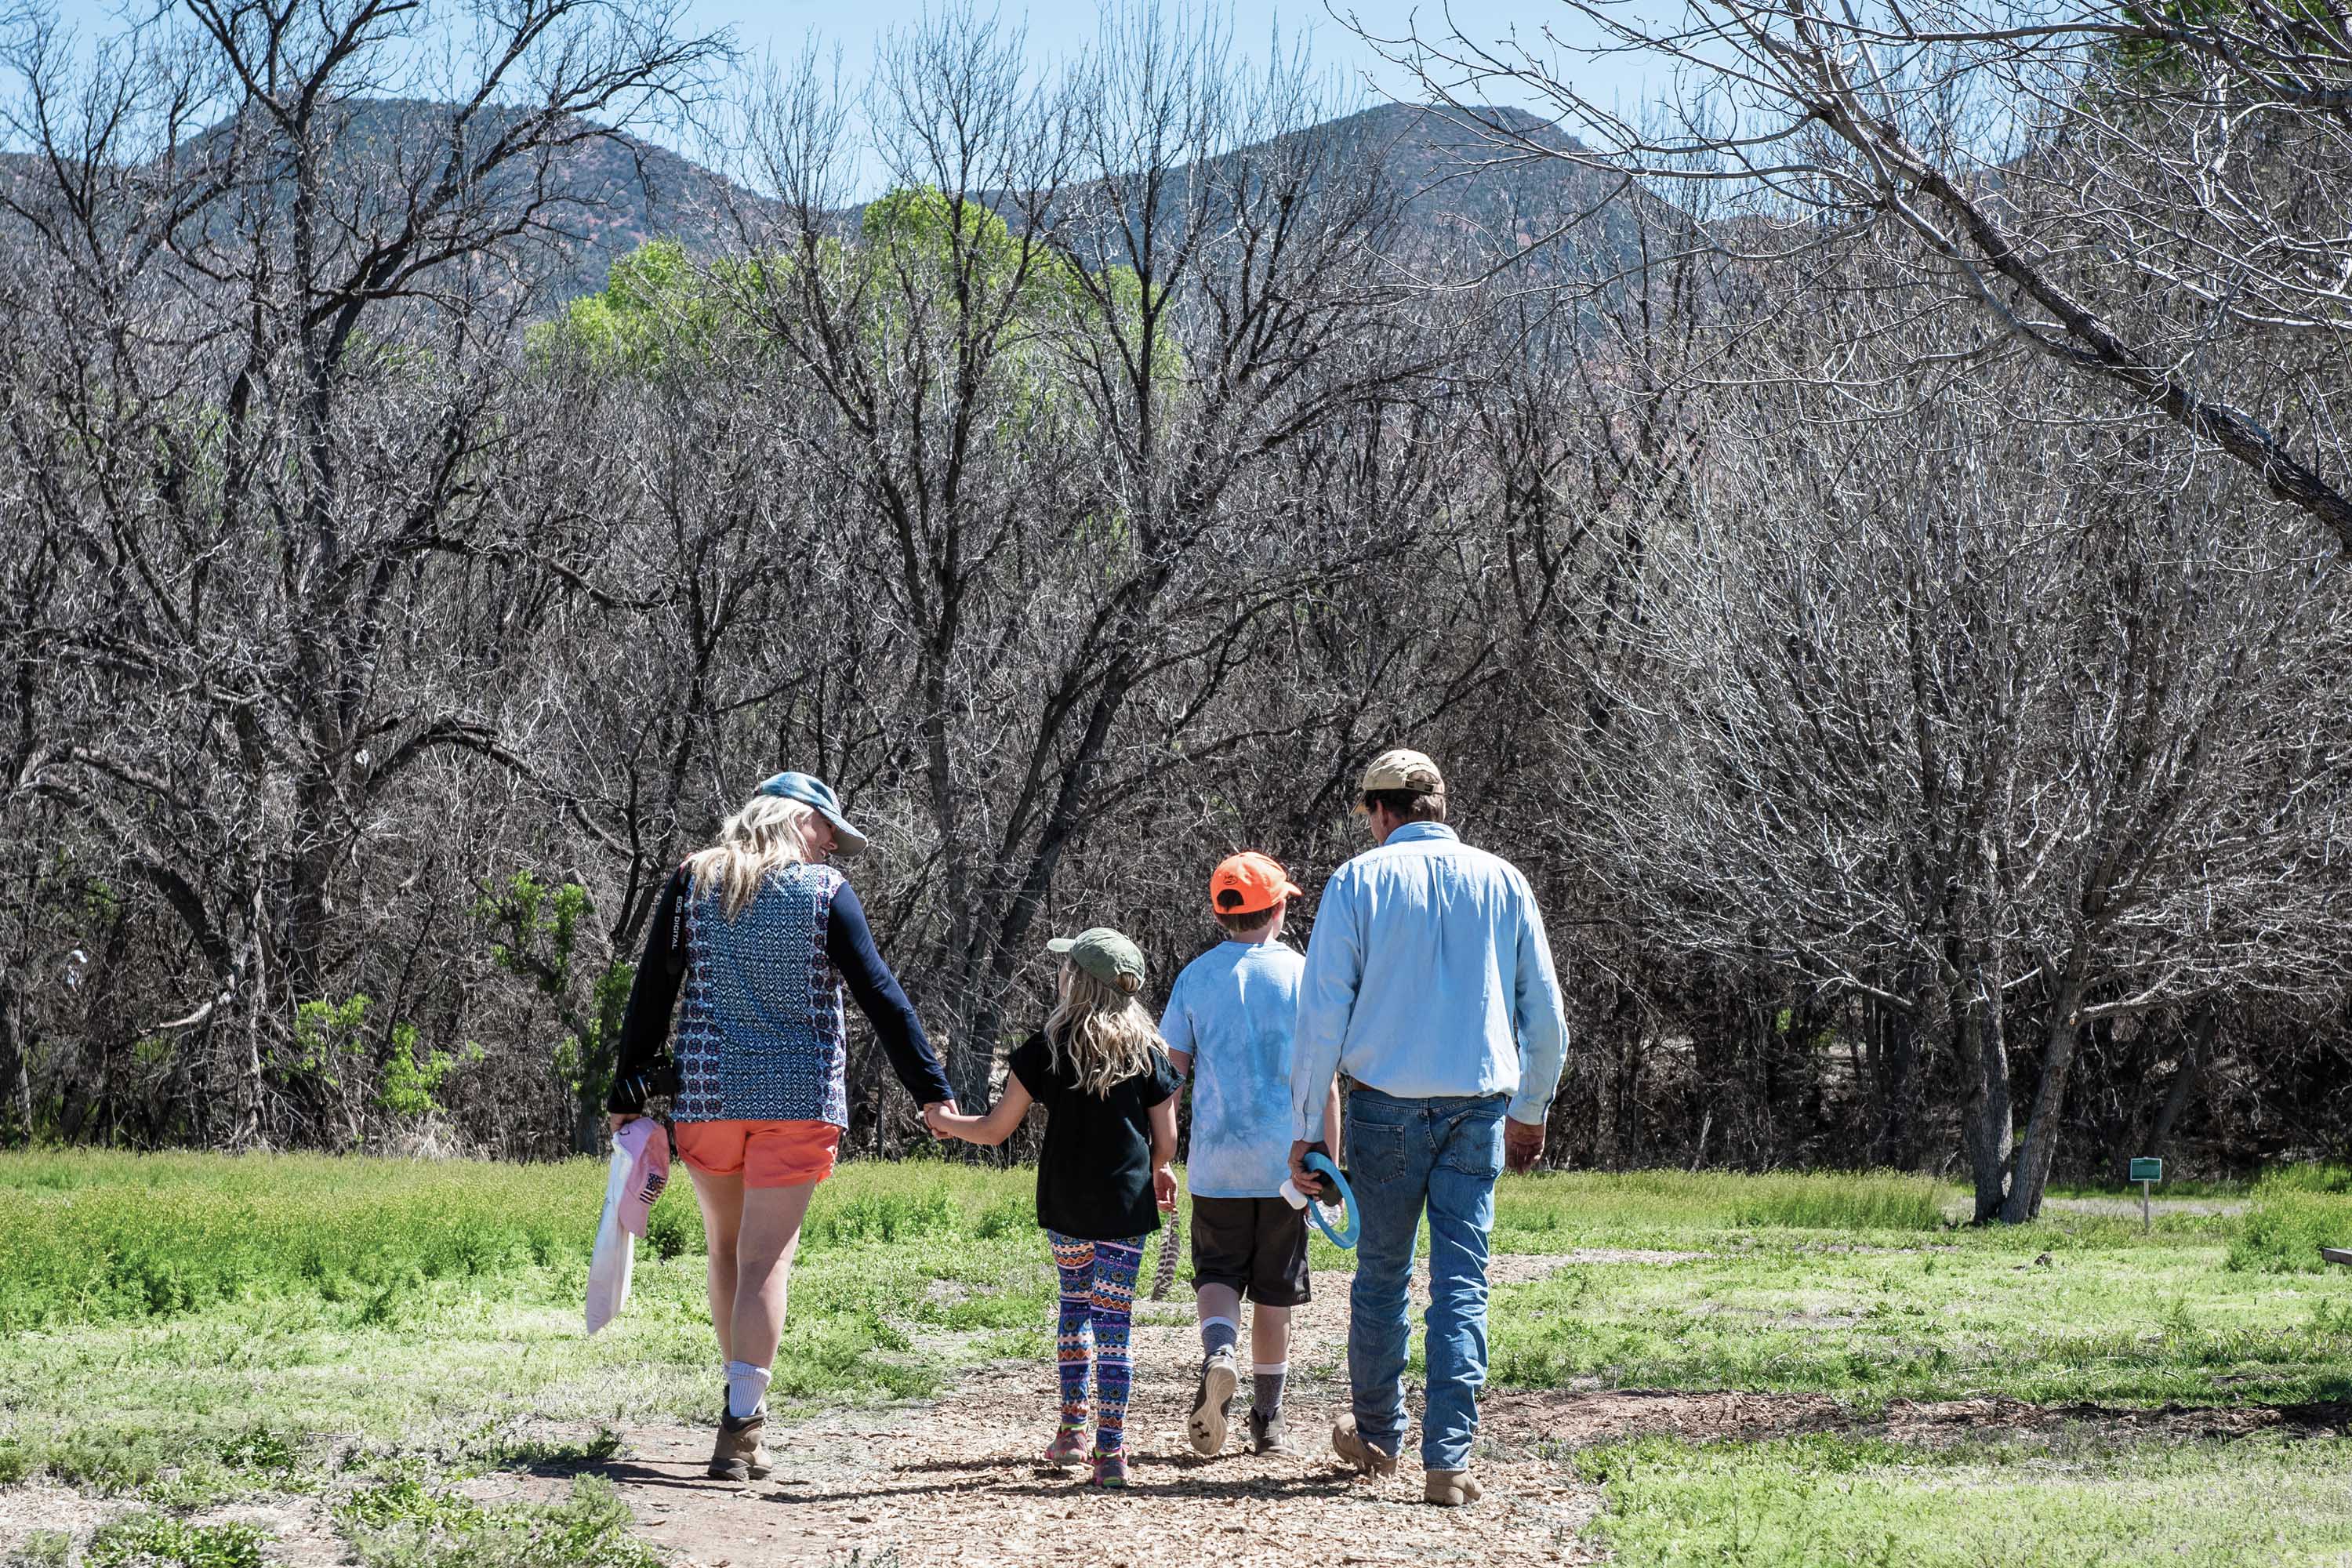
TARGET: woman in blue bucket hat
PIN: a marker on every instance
(764, 936)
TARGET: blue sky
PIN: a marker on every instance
(1058, 29)
(1063, 27)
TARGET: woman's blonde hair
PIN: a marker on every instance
(767, 834)
(1101, 1031)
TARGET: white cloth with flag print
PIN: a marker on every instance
(635, 1178)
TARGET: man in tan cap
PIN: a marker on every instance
(1429, 983)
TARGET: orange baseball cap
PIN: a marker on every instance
(1246, 883)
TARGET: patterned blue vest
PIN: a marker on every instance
(762, 1035)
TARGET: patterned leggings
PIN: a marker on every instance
(1098, 1293)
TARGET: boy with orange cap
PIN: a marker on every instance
(1228, 1026)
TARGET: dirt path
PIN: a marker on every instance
(957, 1480)
(2128, 1207)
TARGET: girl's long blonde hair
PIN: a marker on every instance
(767, 834)
(1101, 1031)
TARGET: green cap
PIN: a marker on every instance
(1105, 955)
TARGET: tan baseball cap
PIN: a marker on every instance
(1402, 769)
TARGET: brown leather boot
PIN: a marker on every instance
(1450, 1488)
(740, 1455)
(1353, 1449)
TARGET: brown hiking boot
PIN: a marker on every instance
(1450, 1488)
(1369, 1458)
(1267, 1434)
(740, 1455)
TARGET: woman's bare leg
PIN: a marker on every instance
(769, 1234)
(722, 1198)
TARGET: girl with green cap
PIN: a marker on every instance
(1101, 1072)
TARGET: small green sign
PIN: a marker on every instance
(2143, 1169)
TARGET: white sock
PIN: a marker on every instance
(747, 1387)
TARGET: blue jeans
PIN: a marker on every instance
(1403, 1155)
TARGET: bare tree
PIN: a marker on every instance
(288, 286)
(1048, 368)
(2154, 196)
(2001, 754)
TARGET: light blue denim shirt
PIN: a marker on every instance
(1428, 974)
(1232, 1011)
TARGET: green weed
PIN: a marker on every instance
(407, 1525)
(41, 1549)
(154, 1540)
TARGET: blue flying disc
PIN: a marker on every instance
(1346, 1238)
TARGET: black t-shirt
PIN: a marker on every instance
(1094, 1175)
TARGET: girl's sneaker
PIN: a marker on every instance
(1110, 1471)
(1069, 1447)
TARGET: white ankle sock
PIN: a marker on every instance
(747, 1386)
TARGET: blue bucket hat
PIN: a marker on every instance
(818, 797)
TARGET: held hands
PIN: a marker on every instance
(940, 1117)
(1163, 1188)
(1523, 1143)
(615, 1121)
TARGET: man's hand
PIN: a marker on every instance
(1307, 1181)
(1523, 1143)
(1163, 1188)
(931, 1114)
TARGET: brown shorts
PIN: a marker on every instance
(1256, 1247)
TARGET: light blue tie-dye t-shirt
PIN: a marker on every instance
(1233, 1010)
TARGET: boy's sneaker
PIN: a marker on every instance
(1267, 1435)
(740, 1455)
(1368, 1458)
(1212, 1401)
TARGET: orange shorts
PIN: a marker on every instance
(765, 1153)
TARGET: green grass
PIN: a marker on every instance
(1876, 1311)
(370, 1333)
(2293, 1214)
(1665, 1208)
(93, 1236)
(1818, 1501)
(267, 1366)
